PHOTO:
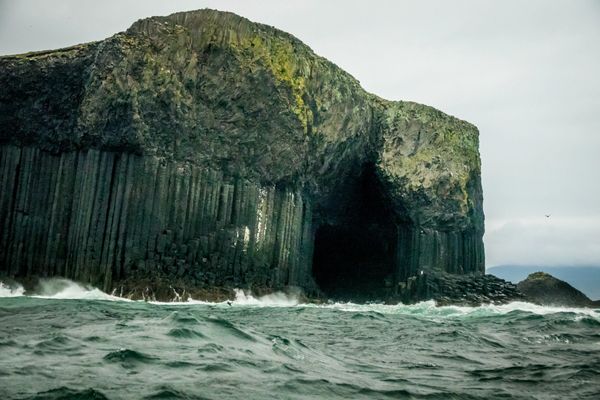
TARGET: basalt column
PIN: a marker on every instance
(99, 217)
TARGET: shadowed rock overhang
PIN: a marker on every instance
(216, 151)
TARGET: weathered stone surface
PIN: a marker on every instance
(204, 148)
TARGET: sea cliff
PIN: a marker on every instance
(202, 150)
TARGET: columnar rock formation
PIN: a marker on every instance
(207, 148)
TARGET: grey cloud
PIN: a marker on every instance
(544, 241)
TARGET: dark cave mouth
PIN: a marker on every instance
(355, 256)
(351, 263)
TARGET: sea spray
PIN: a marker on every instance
(7, 290)
(277, 299)
(57, 288)
(65, 289)
(430, 309)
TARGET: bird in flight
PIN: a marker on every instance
(547, 215)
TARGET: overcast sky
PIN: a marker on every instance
(527, 73)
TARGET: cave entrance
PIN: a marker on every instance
(354, 253)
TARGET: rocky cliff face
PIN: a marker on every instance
(204, 148)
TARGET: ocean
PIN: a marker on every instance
(72, 342)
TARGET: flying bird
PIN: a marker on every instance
(547, 215)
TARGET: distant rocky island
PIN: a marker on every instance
(201, 152)
(543, 288)
(584, 278)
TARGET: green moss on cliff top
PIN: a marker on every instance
(433, 156)
(278, 56)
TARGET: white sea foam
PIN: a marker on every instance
(425, 308)
(430, 309)
(277, 299)
(244, 299)
(57, 288)
(11, 291)
(527, 307)
(66, 289)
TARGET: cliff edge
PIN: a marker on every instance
(207, 150)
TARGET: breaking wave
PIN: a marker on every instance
(430, 308)
(11, 291)
(57, 288)
(277, 299)
(243, 298)
(67, 289)
(335, 350)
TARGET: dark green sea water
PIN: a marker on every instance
(80, 344)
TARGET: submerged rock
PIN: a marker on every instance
(207, 149)
(544, 289)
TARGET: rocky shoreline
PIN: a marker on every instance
(445, 289)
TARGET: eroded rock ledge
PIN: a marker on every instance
(207, 149)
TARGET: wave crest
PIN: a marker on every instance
(57, 288)
(429, 308)
(277, 299)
